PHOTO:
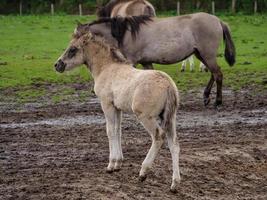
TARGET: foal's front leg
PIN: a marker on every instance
(113, 126)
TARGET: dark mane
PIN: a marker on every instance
(119, 25)
(105, 11)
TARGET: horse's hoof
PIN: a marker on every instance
(182, 70)
(174, 190)
(206, 101)
(142, 178)
(109, 171)
(117, 169)
(218, 105)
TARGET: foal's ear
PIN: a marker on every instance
(87, 37)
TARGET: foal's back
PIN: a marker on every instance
(132, 89)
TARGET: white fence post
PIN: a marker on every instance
(213, 7)
(20, 8)
(255, 6)
(178, 8)
(52, 9)
(233, 6)
(80, 10)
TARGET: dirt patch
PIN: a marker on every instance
(61, 151)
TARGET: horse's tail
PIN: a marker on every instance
(229, 52)
(169, 114)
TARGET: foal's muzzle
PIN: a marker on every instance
(60, 66)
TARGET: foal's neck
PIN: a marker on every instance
(98, 58)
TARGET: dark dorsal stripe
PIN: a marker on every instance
(106, 10)
(119, 25)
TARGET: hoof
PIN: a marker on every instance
(109, 171)
(218, 105)
(117, 169)
(206, 101)
(142, 178)
(182, 70)
(173, 190)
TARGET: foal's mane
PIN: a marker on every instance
(114, 52)
(119, 25)
(105, 11)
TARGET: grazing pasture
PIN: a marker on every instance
(52, 129)
(30, 45)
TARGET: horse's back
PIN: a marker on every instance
(133, 8)
(132, 89)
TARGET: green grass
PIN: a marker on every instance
(30, 45)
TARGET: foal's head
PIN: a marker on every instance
(74, 56)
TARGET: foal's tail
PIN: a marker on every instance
(169, 115)
(229, 52)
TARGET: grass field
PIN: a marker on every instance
(30, 45)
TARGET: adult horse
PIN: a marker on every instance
(147, 40)
(125, 8)
(151, 95)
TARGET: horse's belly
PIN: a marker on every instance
(168, 54)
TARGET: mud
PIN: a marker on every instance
(61, 151)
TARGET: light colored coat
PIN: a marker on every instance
(151, 95)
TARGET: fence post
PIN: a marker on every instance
(178, 8)
(255, 6)
(233, 6)
(213, 7)
(52, 9)
(198, 4)
(20, 7)
(80, 10)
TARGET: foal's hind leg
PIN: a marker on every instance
(173, 144)
(157, 134)
(113, 126)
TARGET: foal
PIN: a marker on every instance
(151, 95)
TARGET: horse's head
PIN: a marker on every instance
(74, 56)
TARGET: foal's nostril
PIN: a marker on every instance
(60, 66)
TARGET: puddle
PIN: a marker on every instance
(66, 122)
(184, 119)
(193, 119)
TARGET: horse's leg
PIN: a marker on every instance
(118, 163)
(173, 144)
(218, 77)
(207, 91)
(148, 66)
(211, 64)
(157, 134)
(192, 63)
(113, 120)
(183, 65)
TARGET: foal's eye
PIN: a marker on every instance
(72, 52)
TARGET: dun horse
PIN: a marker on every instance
(148, 40)
(151, 95)
(125, 8)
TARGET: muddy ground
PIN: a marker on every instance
(61, 151)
